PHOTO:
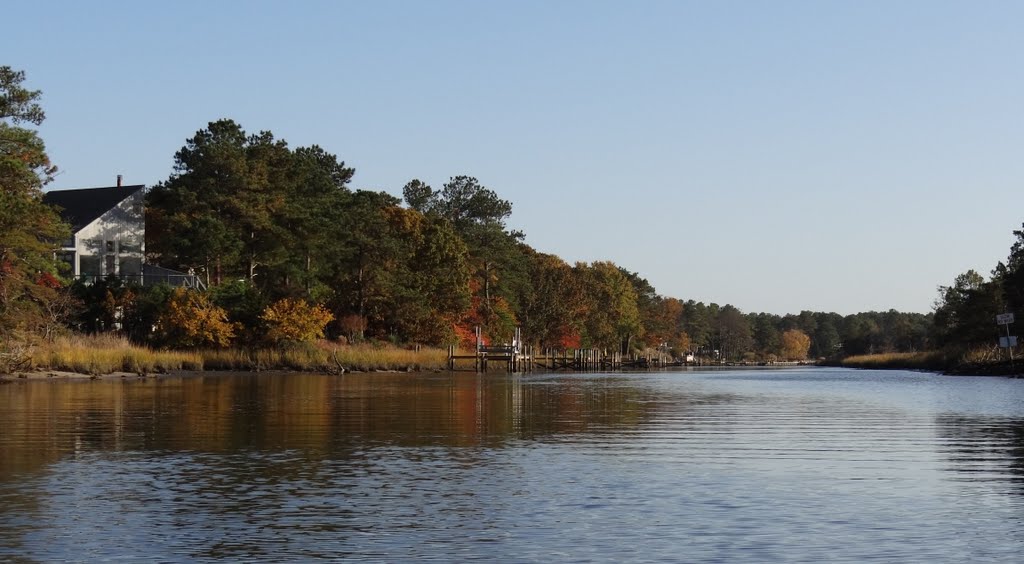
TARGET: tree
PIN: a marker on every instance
(861, 334)
(190, 217)
(367, 265)
(733, 332)
(429, 287)
(466, 203)
(681, 344)
(658, 315)
(312, 223)
(551, 313)
(420, 196)
(1010, 276)
(191, 320)
(611, 316)
(244, 304)
(497, 259)
(826, 340)
(965, 312)
(222, 209)
(767, 340)
(295, 321)
(29, 229)
(795, 344)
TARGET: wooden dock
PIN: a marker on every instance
(516, 357)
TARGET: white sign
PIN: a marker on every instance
(1008, 342)
(1004, 319)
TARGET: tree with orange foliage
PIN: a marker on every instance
(795, 344)
(681, 344)
(295, 321)
(191, 320)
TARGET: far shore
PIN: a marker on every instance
(866, 362)
(64, 375)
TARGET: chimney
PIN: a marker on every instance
(118, 180)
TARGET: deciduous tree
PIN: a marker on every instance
(29, 230)
(611, 318)
(295, 321)
(191, 320)
(795, 344)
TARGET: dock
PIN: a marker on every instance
(517, 357)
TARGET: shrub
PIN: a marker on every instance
(295, 321)
(191, 320)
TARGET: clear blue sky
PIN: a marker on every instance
(779, 156)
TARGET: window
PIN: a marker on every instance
(130, 266)
(110, 246)
(90, 265)
(129, 247)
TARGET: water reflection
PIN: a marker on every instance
(756, 466)
(984, 448)
(44, 421)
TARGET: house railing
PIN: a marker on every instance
(177, 280)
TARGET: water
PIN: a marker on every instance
(794, 465)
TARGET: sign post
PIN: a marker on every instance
(1005, 319)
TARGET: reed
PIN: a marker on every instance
(325, 356)
(926, 360)
(106, 354)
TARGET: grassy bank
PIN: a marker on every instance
(929, 360)
(326, 357)
(983, 361)
(107, 354)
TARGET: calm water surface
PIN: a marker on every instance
(796, 465)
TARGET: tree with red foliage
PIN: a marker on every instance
(29, 229)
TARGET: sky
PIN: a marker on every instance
(779, 156)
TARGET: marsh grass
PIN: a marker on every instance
(325, 356)
(926, 360)
(106, 354)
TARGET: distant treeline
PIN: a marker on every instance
(262, 221)
(965, 311)
(291, 252)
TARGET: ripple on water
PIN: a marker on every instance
(726, 466)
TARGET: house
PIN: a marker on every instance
(108, 226)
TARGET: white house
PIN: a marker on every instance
(109, 230)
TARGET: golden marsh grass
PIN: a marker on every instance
(926, 360)
(325, 356)
(105, 354)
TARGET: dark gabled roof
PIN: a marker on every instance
(83, 206)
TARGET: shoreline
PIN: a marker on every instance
(66, 375)
(69, 376)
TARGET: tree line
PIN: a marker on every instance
(262, 222)
(284, 241)
(965, 311)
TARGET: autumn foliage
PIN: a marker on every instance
(295, 321)
(465, 336)
(191, 320)
(795, 344)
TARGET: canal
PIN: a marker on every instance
(797, 465)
